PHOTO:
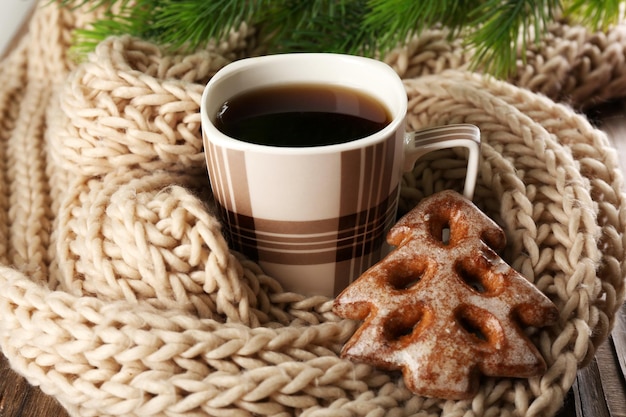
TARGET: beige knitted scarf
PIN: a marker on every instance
(119, 295)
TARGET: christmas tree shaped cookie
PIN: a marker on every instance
(443, 306)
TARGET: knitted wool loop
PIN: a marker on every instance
(121, 296)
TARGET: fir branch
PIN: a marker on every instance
(316, 26)
(504, 28)
(595, 13)
(395, 20)
(498, 30)
(200, 20)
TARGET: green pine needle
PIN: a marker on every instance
(395, 20)
(315, 26)
(502, 28)
(595, 13)
(498, 30)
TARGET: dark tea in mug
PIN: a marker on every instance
(304, 115)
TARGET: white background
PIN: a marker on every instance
(12, 14)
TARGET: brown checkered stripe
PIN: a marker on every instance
(352, 240)
(362, 230)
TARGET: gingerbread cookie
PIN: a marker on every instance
(443, 306)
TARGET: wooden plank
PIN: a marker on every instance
(569, 406)
(618, 339)
(13, 393)
(20, 399)
(589, 393)
(612, 379)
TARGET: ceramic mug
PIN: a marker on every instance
(315, 218)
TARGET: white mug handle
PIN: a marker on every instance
(421, 142)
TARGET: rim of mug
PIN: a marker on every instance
(244, 64)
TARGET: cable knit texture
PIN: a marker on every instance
(119, 295)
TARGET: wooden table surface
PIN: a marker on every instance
(599, 390)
